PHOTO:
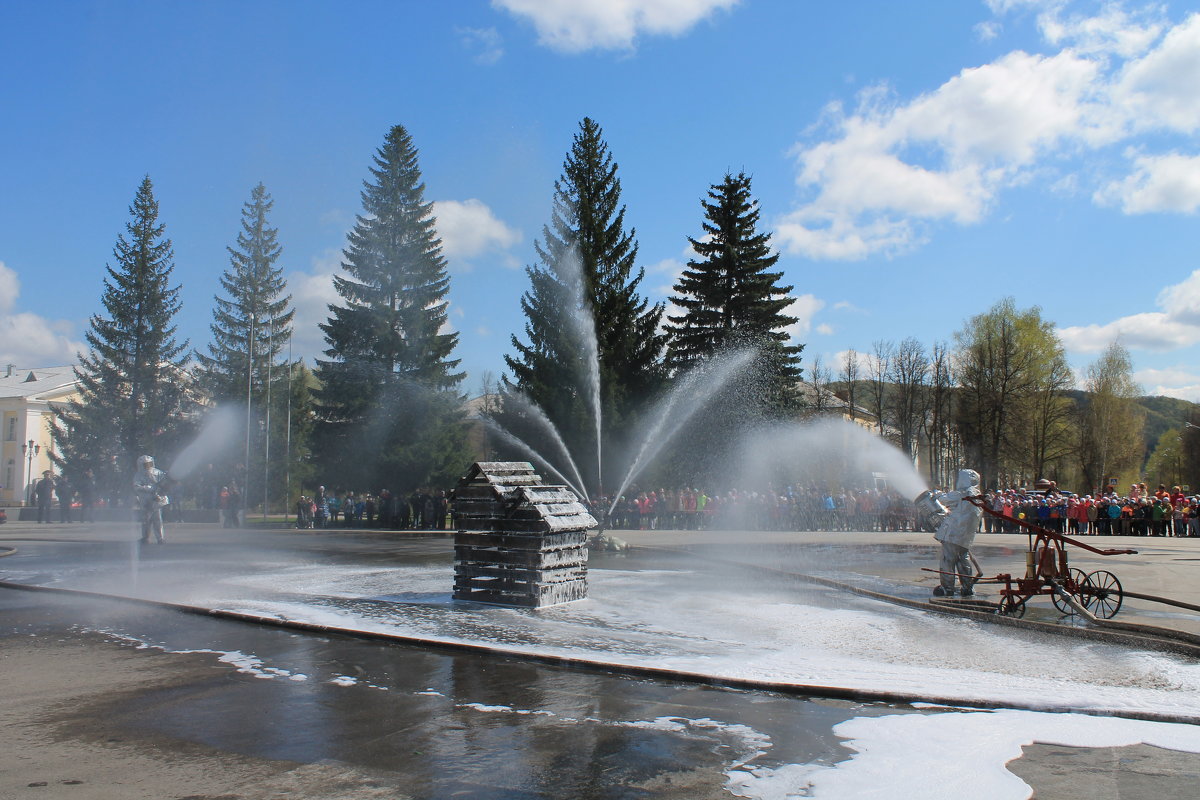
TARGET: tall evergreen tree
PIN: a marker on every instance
(133, 388)
(588, 266)
(252, 323)
(250, 330)
(388, 397)
(730, 298)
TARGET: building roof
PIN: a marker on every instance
(476, 407)
(36, 383)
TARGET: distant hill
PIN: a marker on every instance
(1162, 414)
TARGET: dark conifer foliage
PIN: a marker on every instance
(730, 298)
(246, 362)
(586, 241)
(133, 387)
(388, 396)
(253, 321)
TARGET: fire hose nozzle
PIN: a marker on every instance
(928, 502)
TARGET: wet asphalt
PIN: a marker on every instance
(455, 725)
(444, 724)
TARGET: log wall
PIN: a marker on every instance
(519, 542)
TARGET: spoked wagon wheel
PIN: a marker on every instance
(1102, 593)
(1076, 579)
(1012, 606)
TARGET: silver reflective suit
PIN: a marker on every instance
(149, 498)
(957, 531)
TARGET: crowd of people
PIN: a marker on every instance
(1138, 512)
(791, 508)
(423, 509)
(53, 488)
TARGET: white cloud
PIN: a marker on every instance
(1159, 90)
(879, 177)
(1178, 382)
(469, 229)
(1176, 325)
(1189, 393)
(1112, 30)
(804, 307)
(1005, 6)
(1170, 376)
(843, 239)
(10, 288)
(312, 292)
(825, 330)
(575, 26)
(30, 340)
(666, 274)
(1151, 330)
(485, 42)
(1158, 184)
(1182, 301)
(987, 31)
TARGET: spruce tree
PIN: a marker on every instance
(730, 299)
(133, 389)
(586, 241)
(250, 331)
(252, 323)
(388, 398)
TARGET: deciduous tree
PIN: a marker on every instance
(1111, 442)
(1004, 360)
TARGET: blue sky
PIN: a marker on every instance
(914, 162)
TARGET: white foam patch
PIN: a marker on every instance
(505, 709)
(913, 751)
(763, 636)
(692, 621)
(242, 662)
(249, 664)
(746, 743)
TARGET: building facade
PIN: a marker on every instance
(26, 397)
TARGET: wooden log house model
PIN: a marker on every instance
(518, 542)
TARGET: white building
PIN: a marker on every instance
(26, 396)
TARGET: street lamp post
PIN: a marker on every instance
(30, 450)
(1186, 425)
